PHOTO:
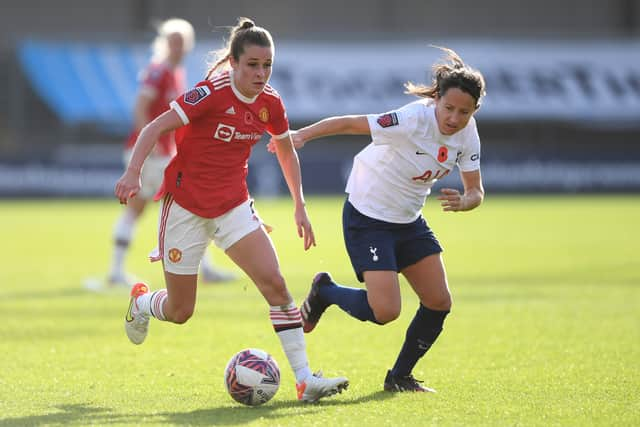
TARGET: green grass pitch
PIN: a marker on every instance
(545, 327)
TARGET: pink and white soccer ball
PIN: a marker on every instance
(252, 377)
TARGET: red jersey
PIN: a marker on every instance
(162, 84)
(208, 174)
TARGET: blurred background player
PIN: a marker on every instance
(206, 196)
(161, 82)
(384, 231)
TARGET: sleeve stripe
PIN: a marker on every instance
(178, 109)
(282, 135)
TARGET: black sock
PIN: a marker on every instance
(421, 334)
(351, 300)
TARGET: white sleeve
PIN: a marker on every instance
(397, 124)
(469, 160)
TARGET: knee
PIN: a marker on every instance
(385, 315)
(275, 289)
(180, 315)
(442, 303)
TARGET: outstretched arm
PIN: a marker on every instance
(129, 183)
(339, 125)
(453, 201)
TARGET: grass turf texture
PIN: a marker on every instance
(545, 328)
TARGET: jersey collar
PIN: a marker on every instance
(237, 93)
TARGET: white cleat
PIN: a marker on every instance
(316, 387)
(136, 324)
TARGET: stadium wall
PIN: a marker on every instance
(561, 115)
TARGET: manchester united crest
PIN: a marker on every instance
(175, 255)
(264, 114)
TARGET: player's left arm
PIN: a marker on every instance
(290, 165)
(453, 201)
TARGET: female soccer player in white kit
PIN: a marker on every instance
(384, 231)
(206, 196)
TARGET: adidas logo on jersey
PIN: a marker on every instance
(230, 110)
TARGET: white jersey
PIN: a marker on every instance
(392, 176)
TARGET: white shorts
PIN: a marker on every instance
(184, 236)
(152, 173)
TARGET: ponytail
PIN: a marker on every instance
(245, 32)
(452, 72)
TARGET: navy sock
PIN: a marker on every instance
(351, 300)
(421, 334)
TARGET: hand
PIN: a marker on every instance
(296, 138)
(304, 228)
(452, 200)
(127, 186)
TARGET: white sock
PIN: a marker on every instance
(122, 233)
(287, 323)
(152, 303)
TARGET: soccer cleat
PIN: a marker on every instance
(316, 387)
(406, 383)
(136, 323)
(213, 275)
(313, 306)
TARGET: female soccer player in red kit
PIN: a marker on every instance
(206, 196)
(162, 80)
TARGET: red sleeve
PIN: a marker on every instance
(278, 123)
(194, 102)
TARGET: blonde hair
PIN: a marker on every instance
(245, 32)
(451, 73)
(160, 47)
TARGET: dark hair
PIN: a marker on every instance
(452, 73)
(244, 33)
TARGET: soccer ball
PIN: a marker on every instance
(252, 377)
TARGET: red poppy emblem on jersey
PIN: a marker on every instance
(387, 120)
(196, 95)
(443, 154)
(248, 117)
(264, 114)
(175, 255)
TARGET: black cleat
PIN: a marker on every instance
(313, 306)
(401, 384)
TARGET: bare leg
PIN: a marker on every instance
(383, 294)
(181, 296)
(256, 256)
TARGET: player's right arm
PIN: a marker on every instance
(129, 183)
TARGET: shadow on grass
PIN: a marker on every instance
(269, 412)
(78, 414)
(83, 414)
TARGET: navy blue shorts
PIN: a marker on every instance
(375, 245)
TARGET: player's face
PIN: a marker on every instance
(252, 70)
(176, 47)
(454, 110)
